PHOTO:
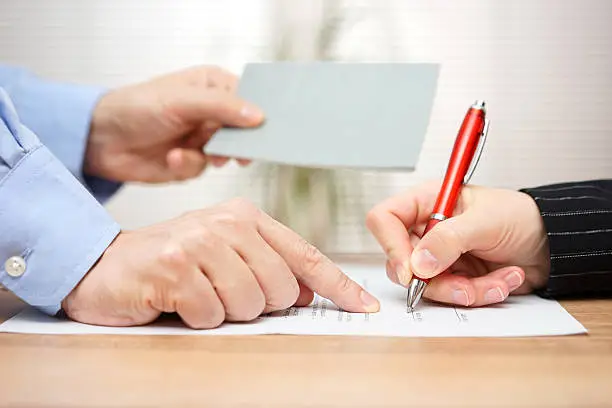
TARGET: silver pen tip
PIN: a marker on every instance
(415, 291)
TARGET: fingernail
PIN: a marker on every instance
(370, 304)
(494, 295)
(514, 280)
(403, 274)
(460, 297)
(251, 112)
(425, 263)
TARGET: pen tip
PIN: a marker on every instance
(415, 291)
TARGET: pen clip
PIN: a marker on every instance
(479, 149)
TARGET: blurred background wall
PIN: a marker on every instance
(544, 67)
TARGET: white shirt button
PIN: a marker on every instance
(15, 266)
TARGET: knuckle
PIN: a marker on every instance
(373, 219)
(197, 75)
(229, 220)
(203, 239)
(230, 228)
(311, 259)
(345, 285)
(174, 255)
(236, 216)
(243, 206)
(389, 248)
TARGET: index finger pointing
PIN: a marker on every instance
(315, 270)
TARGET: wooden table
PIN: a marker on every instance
(288, 371)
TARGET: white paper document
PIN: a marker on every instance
(518, 316)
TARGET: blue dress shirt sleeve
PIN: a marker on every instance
(59, 114)
(49, 221)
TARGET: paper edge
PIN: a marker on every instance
(577, 329)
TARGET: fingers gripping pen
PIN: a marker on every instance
(464, 158)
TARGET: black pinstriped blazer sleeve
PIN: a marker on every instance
(578, 221)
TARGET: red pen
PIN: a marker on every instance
(464, 158)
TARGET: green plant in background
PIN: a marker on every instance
(310, 200)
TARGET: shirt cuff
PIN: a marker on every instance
(570, 273)
(54, 225)
(50, 109)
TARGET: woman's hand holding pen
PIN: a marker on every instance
(494, 245)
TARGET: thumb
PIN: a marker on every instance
(443, 245)
(196, 106)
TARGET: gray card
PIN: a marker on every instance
(328, 114)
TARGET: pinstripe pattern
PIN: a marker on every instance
(578, 220)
